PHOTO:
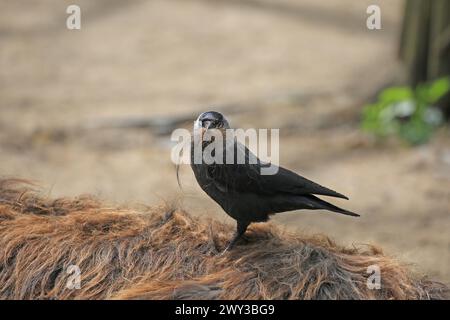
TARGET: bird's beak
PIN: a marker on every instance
(203, 130)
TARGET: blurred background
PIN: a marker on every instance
(91, 110)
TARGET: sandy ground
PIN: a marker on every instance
(305, 67)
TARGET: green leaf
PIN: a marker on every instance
(438, 89)
(405, 112)
(416, 132)
(396, 94)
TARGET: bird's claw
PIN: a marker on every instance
(227, 248)
(221, 254)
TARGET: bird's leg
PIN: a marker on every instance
(240, 230)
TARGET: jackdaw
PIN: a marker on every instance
(240, 189)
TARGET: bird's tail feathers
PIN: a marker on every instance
(317, 203)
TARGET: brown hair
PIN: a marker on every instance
(162, 253)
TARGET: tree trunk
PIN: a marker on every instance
(425, 42)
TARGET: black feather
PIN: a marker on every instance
(249, 196)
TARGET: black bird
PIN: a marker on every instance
(245, 194)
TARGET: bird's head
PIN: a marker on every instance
(211, 120)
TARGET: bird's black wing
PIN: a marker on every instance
(247, 177)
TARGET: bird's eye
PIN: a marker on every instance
(212, 124)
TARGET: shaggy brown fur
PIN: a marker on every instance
(158, 253)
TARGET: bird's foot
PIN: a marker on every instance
(221, 254)
(241, 227)
(227, 248)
